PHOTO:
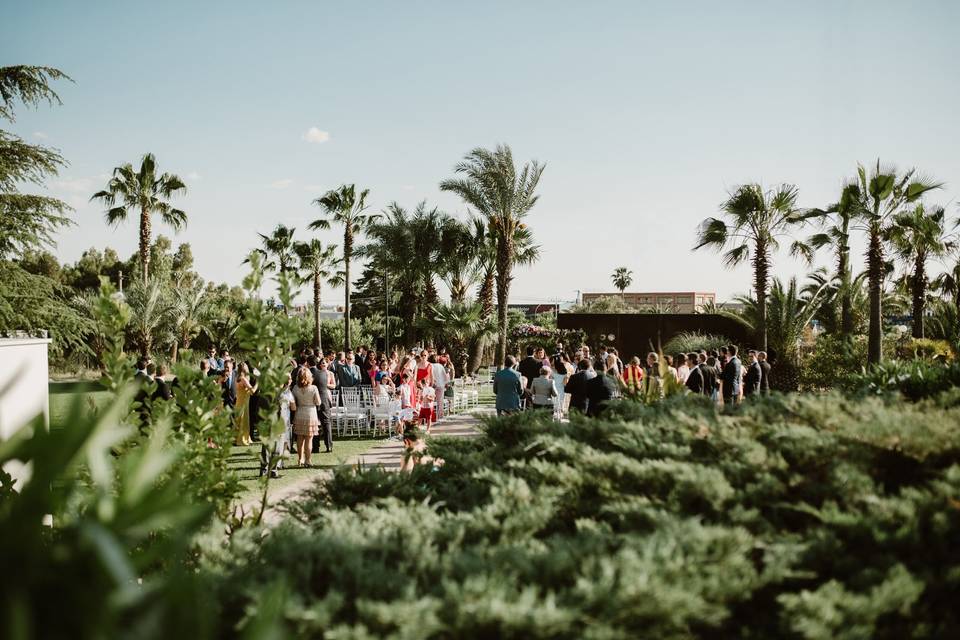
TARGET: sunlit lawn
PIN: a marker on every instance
(245, 461)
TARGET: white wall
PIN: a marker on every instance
(23, 388)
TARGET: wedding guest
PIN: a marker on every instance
(751, 381)
(765, 372)
(576, 386)
(544, 390)
(508, 387)
(305, 422)
(241, 414)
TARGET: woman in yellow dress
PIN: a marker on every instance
(241, 412)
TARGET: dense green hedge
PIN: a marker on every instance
(795, 517)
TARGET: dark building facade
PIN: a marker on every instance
(639, 333)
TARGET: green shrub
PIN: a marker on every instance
(925, 349)
(787, 517)
(693, 341)
(911, 379)
(832, 360)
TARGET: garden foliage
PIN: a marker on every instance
(792, 517)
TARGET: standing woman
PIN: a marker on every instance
(633, 375)
(241, 414)
(305, 421)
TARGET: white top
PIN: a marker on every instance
(405, 399)
(439, 375)
(285, 399)
(427, 397)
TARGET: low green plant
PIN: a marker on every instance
(789, 517)
(689, 341)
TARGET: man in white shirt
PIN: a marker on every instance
(440, 380)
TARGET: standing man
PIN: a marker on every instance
(507, 386)
(751, 382)
(695, 381)
(530, 366)
(349, 373)
(732, 376)
(326, 385)
(216, 364)
(440, 380)
(228, 385)
(764, 372)
(577, 386)
(600, 389)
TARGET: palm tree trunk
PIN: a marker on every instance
(846, 304)
(347, 251)
(485, 297)
(875, 276)
(174, 350)
(761, 275)
(919, 286)
(316, 313)
(503, 278)
(485, 294)
(145, 232)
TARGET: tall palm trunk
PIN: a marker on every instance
(875, 276)
(485, 294)
(761, 276)
(919, 290)
(485, 297)
(846, 304)
(347, 251)
(316, 314)
(145, 233)
(174, 350)
(503, 278)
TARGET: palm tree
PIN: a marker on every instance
(524, 253)
(622, 278)
(344, 206)
(189, 310)
(150, 314)
(836, 234)
(875, 199)
(317, 263)
(147, 193)
(789, 312)
(493, 186)
(758, 218)
(460, 324)
(916, 236)
(280, 246)
(459, 258)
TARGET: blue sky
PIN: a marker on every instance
(646, 113)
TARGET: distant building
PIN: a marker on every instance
(673, 301)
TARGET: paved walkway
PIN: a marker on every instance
(386, 454)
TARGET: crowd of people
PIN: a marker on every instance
(583, 382)
(415, 382)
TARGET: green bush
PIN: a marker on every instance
(911, 379)
(693, 341)
(832, 360)
(925, 349)
(788, 517)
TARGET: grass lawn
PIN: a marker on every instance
(245, 461)
(61, 402)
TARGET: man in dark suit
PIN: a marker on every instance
(577, 386)
(694, 380)
(711, 381)
(764, 373)
(732, 376)
(751, 382)
(530, 367)
(599, 391)
(163, 391)
(228, 385)
(318, 369)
